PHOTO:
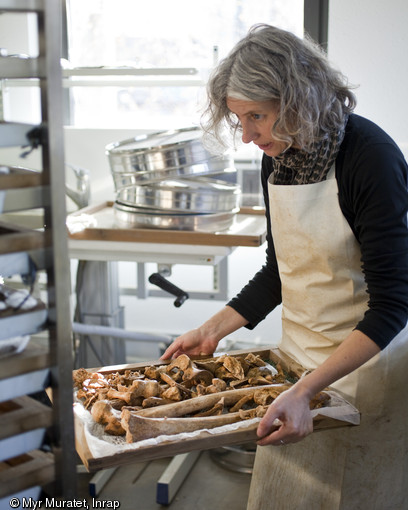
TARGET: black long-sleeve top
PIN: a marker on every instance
(372, 178)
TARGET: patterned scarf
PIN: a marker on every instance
(300, 167)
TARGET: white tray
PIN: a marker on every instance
(23, 384)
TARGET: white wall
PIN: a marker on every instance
(368, 42)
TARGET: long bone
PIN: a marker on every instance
(205, 401)
(141, 427)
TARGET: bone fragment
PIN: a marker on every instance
(241, 402)
(254, 359)
(193, 376)
(233, 366)
(183, 362)
(154, 372)
(131, 394)
(213, 411)
(173, 384)
(266, 394)
(103, 413)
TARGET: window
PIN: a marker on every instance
(172, 43)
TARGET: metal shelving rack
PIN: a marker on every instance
(50, 467)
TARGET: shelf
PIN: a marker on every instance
(21, 443)
(17, 67)
(21, 5)
(14, 263)
(23, 262)
(24, 373)
(35, 468)
(22, 415)
(21, 199)
(26, 368)
(19, 177)
(24, 422)
(22, 322)
(22, 189)
(32, 382)
(19, 239)
(33, 358)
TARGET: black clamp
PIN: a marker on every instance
(35, 139)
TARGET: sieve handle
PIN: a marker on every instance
(160, 281)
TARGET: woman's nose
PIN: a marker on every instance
(248, 133)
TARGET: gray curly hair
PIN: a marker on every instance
(273, 64)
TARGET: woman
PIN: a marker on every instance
(335, 189)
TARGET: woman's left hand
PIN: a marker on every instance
(291, 408)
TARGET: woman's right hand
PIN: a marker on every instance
(193, 342)
(204, 340)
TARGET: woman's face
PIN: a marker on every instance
(256, 119)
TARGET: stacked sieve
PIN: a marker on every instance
(169, 180)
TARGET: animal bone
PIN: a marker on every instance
(141, 427)
(208, 364)
(198, 403)
(183, 362)
(216, 386)
(154, 372)
(259, 372)
(172, 393)
(319, 400)
(258, 381)
(241, 402)
(214, 411)
(103, 413)
(155, 401)
(193, 376)
(222, 373)
(258, 412)
(134, 394)
(267, 394)
(254, 359)
(233, 366)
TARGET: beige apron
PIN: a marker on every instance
(323, 298)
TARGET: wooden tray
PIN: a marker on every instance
(248, 229)
(204, 440)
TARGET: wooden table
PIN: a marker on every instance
(248, 229)
(103, 240)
